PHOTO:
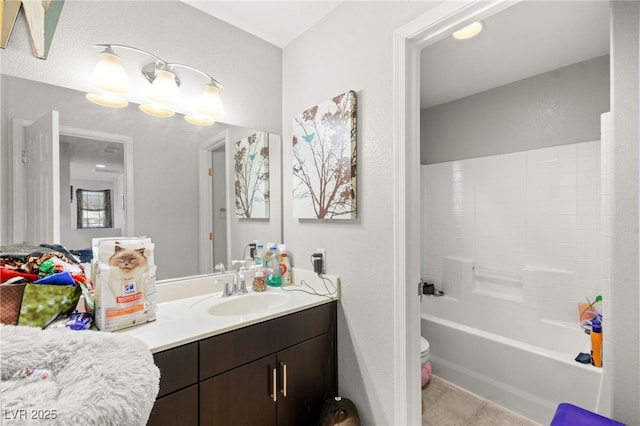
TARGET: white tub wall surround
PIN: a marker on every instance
(533, 214)
(516, 242)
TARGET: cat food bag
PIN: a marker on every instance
(124, 275)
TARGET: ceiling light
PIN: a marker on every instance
(469, 31)
(164, 94)
(101, 166)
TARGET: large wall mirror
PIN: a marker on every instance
(161, 178)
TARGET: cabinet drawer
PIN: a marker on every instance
(178, 368)
(226, 351)
(179, 408)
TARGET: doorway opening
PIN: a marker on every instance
(213, 207)
(65, 153)
(426, 30)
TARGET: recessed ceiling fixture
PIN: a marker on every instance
(469, 31)
(112, 82)
(101, 166)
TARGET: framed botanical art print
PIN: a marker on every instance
(324, 160)
(251, 171)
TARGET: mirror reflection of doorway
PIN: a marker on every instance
(69, 154)
(219, 205)
(90, 167)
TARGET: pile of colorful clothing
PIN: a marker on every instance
(44, 286)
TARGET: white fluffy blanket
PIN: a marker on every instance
(96, 378)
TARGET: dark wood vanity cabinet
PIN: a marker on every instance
(278, 372)
(177, 400)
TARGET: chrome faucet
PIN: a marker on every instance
(239, 285)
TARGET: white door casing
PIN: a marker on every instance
(42, 162)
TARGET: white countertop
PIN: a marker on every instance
(183, 317)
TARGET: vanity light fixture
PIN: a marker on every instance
(469, 31)
(163, 94)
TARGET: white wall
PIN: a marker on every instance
(352, 49)
(625, 304)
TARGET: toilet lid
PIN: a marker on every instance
(424, 345)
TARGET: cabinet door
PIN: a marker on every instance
(241, 397)
(178, 368)
(178, 408)
(307, 376)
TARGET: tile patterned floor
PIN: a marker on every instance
(444, 404)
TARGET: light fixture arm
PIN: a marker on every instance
(159, 62)
(212, 80)
(135, 49)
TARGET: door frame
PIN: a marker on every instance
(409, 39)
(18, 199)
(205, 199)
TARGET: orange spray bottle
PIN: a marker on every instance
(596, 342)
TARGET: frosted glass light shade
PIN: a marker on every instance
(109, 75)
(164, 89)
(199, 120)
(209, 102)
(155, 111)
(106, 100)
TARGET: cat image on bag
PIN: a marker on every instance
(129, 272)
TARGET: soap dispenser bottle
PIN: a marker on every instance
(285, 269)
(259, 281)
(274, 279)
(596, 342)
(259, 255)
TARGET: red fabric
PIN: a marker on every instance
(6, 274)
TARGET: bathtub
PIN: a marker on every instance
(528, 379)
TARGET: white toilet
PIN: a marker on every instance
(424, 351)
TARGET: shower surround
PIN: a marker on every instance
(516, 241)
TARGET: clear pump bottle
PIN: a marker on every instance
(274, 279)
(259, 255)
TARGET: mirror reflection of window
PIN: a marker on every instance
(94, 209)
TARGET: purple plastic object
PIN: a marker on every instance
(571, 415)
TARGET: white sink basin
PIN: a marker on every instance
(243, 304)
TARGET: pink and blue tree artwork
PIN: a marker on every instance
(251, 170)
(324, 160)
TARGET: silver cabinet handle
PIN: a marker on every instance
(274, 379)
(283, 366)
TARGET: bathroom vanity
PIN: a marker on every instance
(275, 366)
